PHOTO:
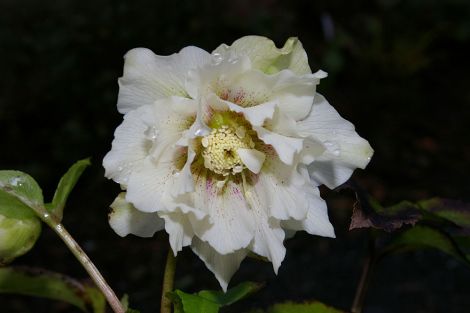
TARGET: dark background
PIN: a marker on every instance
(397, 69)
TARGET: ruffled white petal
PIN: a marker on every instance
(317, 221)
(148, 130)
(130, 146)
(230, 226)
(179, 228)
(285, 147)
(269, 236)
(252, 158)
(125, 219)
(266, 57)
(183, 181)
(285, 190)
(222, 265)
(150, 185)
(345, 149)
(148, 77)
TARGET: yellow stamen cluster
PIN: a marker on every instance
(220, 149)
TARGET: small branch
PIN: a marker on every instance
(84, 260)
(364, 281)
(168, 280)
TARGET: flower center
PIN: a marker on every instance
(220, 149)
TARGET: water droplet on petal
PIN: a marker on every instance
(217, 58)
(336, 152)
(233, 60)
(120, 168)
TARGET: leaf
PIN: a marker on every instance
(45, 284)
(232, 295)
(65, 186)
(22, 187)
(308, 307)
(426, 237)
(189, 303)
(96, 299)
(455, 211)
(367, 212)
(125, 304)
(209, 301)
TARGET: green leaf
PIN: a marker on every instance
(190, 303)
(125, 304)
(232, 295)
(65, 186)
(96, 299)
(45, 284)
(209, 301)
(455, 211)
(22, 187)
(308, 307)
(426, 237)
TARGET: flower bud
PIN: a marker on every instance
(17, 236)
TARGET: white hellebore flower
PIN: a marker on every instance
(226, 150)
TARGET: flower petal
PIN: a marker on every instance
(285, 147)
(184, 179)
(125, 219)
(222, 265)
(130, 145)
(266, 57)
(316, 221)
(148, 77)
(345, 149)
(252, 158)
(179, 228)
(230, 227)
(269, 236)
(285, 189)
(148, 130)
(149, 186)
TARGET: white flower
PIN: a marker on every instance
(226, 150)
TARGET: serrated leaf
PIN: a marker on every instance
(426, 237)
(44, 284)
(455, 211)
(65, 186)
(308, 307)
(21, 186)
(210, 301)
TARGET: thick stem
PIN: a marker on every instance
(168, 280)
(85, 261)
(364, 281)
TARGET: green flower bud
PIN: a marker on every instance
(17, 236)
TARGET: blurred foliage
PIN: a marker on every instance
(397, 69)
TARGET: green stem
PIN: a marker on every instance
(367, 270)
(168, 280)
(84, 260)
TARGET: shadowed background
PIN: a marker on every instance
(397, 69)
